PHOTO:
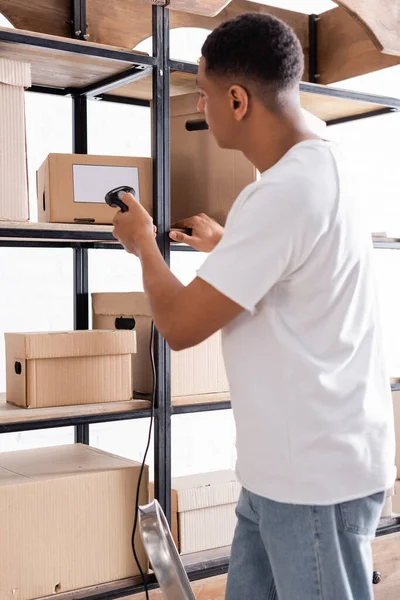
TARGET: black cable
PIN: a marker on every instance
(153, 400)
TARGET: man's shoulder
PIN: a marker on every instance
(305, 180)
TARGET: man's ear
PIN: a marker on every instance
(239, 99)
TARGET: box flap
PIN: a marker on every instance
(71, 344)
(206, 489)
(10, 478)
(61, 461)
(121, 304)
(16, 73)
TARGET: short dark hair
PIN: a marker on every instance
(258, 48)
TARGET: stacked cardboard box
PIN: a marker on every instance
(198, 371)
(396, 408)
(203, 510)
(204, 177)
(14, 77)
(66, 518)
(71, 187)
(69, 368)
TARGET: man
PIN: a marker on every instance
(289, 282)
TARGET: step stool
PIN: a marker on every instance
(163, 554)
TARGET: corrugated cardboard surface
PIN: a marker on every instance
(207, 528)
(63, 369)
(206, 510)
(387, 508)
(14, 203)
(396, 499)
(110, 306)
(66, 517)
(63, 344)
(396, 408)
(56, 190)
(195, 371)
(199, 370)
(204, 177)
(204, 490)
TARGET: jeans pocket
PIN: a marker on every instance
(361, 516)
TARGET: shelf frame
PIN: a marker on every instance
(160, 66)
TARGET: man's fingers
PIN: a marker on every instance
(131, 202)
(177, 236)
(128, 198)
(182, 238)
(185, 223)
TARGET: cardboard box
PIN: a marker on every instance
(387, 508)
(74, 367)
(66, 518)
(14, 200)
(195, 371)
(204, 177)
(71, 187)
(396, 409)
(204, 508)
(396, 499)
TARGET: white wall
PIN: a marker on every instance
(371, 148)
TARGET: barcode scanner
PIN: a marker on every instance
(114, 197)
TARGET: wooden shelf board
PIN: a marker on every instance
(66, 232)
(29, 225)
(180, 83)
(193, 563)
(57, 68)
(199, 560)
(96, 590)
(10, 414)
(322, 106)
(328, 108)
(200, 399)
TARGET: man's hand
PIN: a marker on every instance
(134, 228)
(206, 233)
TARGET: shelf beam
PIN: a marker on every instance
(12, 419)
(333, 92)
(74, 47)
(205, 407)
(115, 81)
(373, 113)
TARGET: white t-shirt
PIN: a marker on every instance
(309, 389)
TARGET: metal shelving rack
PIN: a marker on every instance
(135, 66)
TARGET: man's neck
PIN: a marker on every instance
(268, 139)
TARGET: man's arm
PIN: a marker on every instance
(184, 315)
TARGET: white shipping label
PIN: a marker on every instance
(92, 182)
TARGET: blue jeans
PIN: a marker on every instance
(297, 552)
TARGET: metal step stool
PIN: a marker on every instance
(163, 555)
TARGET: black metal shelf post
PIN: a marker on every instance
(78, 20)
(161, 183)
(81, 316)
(81, 258)
(313, 74)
